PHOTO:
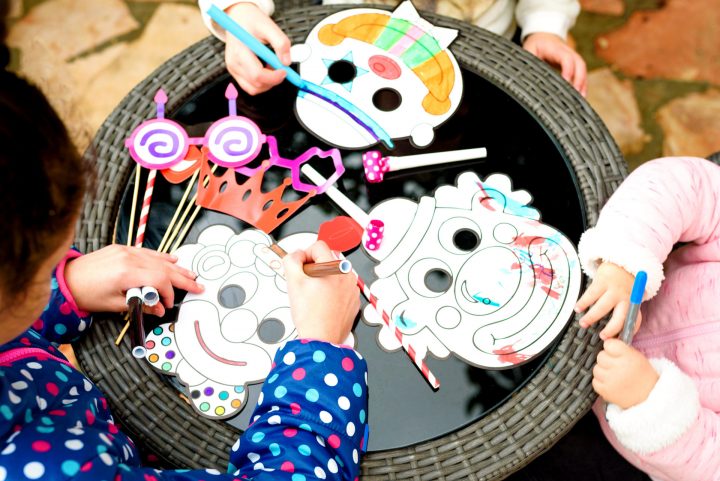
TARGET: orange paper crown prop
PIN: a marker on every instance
(246, 201)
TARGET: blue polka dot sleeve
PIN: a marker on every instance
(62, 321)
(56, 425)
(310, 421)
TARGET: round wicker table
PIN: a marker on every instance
(525, 425)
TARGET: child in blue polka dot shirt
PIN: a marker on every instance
(310, 421)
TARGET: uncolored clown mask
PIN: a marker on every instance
(226, 337)
(472, 272)
(394, 67)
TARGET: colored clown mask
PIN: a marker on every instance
(395, 67)
(472, 272)
(226, 337)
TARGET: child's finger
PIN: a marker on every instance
(156, 310)
(293, 264)
(181, 281)
(580, 81)
(589, 297)
(597, 311)
(277, 39)
(567, 66)
(616, 322)
(320, 252)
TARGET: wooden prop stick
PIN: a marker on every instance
(181, 237)
(179, 227)
(129, 241)
(180, 206)
(319, 269)
(131, 221)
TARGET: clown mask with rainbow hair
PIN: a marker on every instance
(395, 67)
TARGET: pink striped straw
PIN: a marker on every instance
(160, 101)
(145, 211)
(419, 363)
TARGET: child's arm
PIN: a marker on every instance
(311, 417)
(662, 202)
(62, 321)
(243, 65)
(655, 413)
(544, 25)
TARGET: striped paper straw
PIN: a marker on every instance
(419, 363)
(145, 211)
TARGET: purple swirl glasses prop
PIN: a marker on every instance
(233, 142)
(158, 143)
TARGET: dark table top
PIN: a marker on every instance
(404, 410)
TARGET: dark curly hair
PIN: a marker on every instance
(42, 177)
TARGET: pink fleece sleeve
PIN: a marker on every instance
(665, 201)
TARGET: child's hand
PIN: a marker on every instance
(553, 50)
(610, 290)
(322, 308)
(242, 64)
(623, 375)
(98, 281)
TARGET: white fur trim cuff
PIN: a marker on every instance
(659, 421)
(267, 6)
(596, 247)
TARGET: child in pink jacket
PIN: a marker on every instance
(663, 392)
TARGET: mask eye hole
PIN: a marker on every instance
(232, 296)
(271, 330)
(387, 99)
(466, 240)
(342, 71)
(438, 280)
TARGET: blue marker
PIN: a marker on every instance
(635, 299)
(267, 55)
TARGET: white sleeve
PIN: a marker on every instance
(267, 6)
(548, 16)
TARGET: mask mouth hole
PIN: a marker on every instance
(271, 330)
(342, 71)
(387, 99)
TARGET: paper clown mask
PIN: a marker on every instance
(395, 67)
(472, 272)
(226, 337)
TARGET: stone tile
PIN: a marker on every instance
(52, 76)
(679, 41)
(16, 8)
(614, 100)
(603, 7)
(691, 124)
(172, 28)
(85, 69)
(68, 27)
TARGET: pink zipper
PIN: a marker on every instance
(677, 334)
(9, 357)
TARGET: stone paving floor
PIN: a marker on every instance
(654, 64)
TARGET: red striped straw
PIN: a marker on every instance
(145, 211)
(419, 363)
